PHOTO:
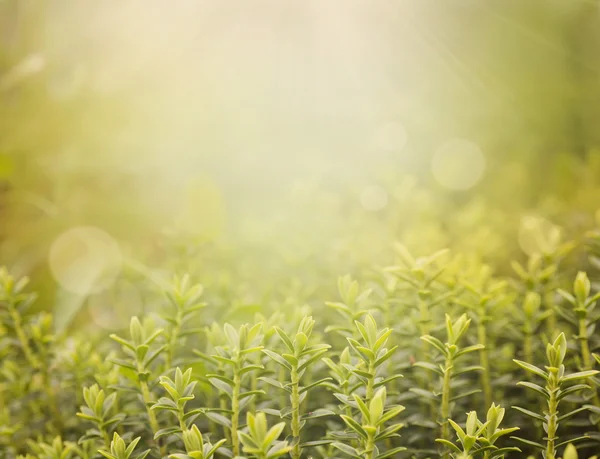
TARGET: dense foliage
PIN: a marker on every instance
(432, 356)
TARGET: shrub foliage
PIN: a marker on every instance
(431, 356)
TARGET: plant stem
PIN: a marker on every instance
(445, 409)
(585, 348)
(370, 447)
(424, 319)
(424, 329)
(254, 384)
(281, 378)
(223, 406)
(235, 408)
(552, 415)
(148, 401)
(173, 342)
(484, 361)
(182, 424)
(106, 439)
(147, 398)
(295, 399)
(22, 337)
(549, 300)
(528, 346)
(370, 383)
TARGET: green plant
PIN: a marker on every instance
(372, 353)
(29, 355)
(99, 411)
(196, 447)
(487, 296)
(479, 438)
(450, 352)
(138, 365)
(261, 442)
(353, 307)
(371, 429)
(335, 382)
(554, 391)
(583, 305)
(184, 302)
(57, 449)
(571, 453)
(296, 362)
(120, 450)
(180, 392)
(236, 360)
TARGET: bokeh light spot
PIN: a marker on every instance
(85, 260)
(373, 198)
(458, 164)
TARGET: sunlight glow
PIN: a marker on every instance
(458, 164)
(85, 260)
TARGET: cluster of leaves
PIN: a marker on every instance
(397, 367)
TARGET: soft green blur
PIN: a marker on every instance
(251, 142)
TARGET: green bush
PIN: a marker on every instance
(402, 364)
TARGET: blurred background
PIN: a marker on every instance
(254, 142)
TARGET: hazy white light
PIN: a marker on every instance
(373, 198)
(458, 164)
(109, 309)
(32, 64)
(85, 260)
(390, 137)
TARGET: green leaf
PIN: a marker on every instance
(468, 349)
(579, 375)
(385, 356)
(166, 432)
(312, 359)
(529, 443)
(391, 452)
(424, 393)
(572, 413)
(435, 343)
(534, 387)
(273, 434)
(502, 452)
(576, 388)
(572, 440)
(123, 342)
(123, 363)
(346, 449)
(318, 413)
(465, 394)
(532, 368)
(285, 338)
(278, 359)
(315, 384)
(218, 418)
(221, 385)
(250, 393)
(530, 413)
(355, 426)
(249, 368)
(429, 366)
(448, 445)
(292, 360)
